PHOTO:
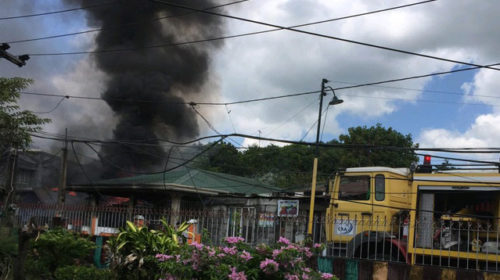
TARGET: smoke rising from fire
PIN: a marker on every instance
(144, 85)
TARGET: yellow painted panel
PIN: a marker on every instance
(456, 254)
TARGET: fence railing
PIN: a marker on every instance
(458, 242)
(213, 225)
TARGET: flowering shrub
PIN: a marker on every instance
(238, 261)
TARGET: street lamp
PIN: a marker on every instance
(335, 100)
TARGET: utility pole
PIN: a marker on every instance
(64, 168)
(334, 101)
(315, 164)
(17, 60)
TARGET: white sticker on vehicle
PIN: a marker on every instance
(345, 227)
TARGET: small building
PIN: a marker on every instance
(37, 177)
(221, 204)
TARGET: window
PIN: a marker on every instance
(379, 187)
(23, 177)
(354, 188)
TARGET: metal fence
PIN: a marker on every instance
(212, 225)
(456, 242)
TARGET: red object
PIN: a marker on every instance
(401, 245)
(427, 160)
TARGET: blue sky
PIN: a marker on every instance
(285, 62)
(423, 114)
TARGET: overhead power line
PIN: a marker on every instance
(483, 150)
(263, 98)
(53, 109)
(218, 6)
(322, 35)
(171, 44)
(115, 27)
(59, 12)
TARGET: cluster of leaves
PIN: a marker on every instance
(76, 272)
(239, 261)
(57, 248)
(134, 248)
(8, 251)
(15, 125)
(291, 165)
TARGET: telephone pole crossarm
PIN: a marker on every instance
(17, 60)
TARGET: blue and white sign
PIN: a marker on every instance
(345, 227)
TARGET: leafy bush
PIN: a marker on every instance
(134, 248)
(57, 248)
(238, 261)
(82, 273)
(8, 251)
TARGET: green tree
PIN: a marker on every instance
(16, 125)
(370, 151)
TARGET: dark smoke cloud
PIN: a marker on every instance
(151, 80)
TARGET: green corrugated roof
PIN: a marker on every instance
(197, 178)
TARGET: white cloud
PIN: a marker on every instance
(484, 132)
(285, 62)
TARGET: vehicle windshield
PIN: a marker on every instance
(354, 188)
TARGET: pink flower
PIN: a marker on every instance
(307, 251)
(237, 275)
(307, 269)
(197, 245)
(246, 255)
(295, 261)
(317, 245)
(269, 266)
(289, 276)
(230, 251)
(221, 255)
(211, 253)
(326, 276)
(162, 257)
(283, 240)
(234, 239)
(305, 276)
(276, 252)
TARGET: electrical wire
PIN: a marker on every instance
(312, 126)
(424, 90)
(292, 117)
(53, 109)
(324, 122)
(207, 39)
(210, 125)
(165, 168)
(461, 159)
(115, 27)
(264, 98)
(323, 35)
(80, 164)
(485, 150)
(59, 12)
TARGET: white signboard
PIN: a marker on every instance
(345, 227)
(288, 208)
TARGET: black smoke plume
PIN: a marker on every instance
(144, 85)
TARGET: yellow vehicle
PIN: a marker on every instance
(395, 214)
